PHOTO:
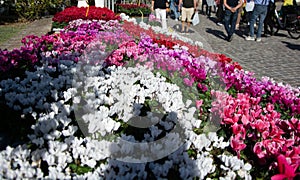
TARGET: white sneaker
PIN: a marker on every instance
(249, 38)
(176, 19)
(219, 24)
(258, 39)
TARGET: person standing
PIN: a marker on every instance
(288, 7)
(230, 16)
(210, 4)
(220, 12)
(189, 7)
(160, 6)
(260, 11)
(268, 23)
(174, 8)
(204, 3)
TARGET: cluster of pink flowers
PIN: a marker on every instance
(71, 42)
(173, 61)
(17, 60)
(92, 26)
(258, 128)
(125, 51)
(152, 17)
(286, 98)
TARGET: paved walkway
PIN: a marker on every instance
(38, 27)
(277, 57)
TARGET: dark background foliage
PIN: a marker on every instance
(29, 10)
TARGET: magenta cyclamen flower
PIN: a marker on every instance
(286, 171)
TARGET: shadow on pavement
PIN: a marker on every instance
(177, 28)
(291, 46)
(217, 33)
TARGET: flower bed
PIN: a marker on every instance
(133, 9)
(62, 18)
(110, 99)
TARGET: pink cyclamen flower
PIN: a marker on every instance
(237, 143)
(286, 171)
(259, 150)
(199, 103)
(238, 129)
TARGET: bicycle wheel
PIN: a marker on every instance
(294, 30)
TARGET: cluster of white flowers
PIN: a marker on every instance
(37, 89)
(235, 167)
(124, 97)
(125, 17)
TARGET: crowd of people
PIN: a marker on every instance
(257, 13)
(183, 10)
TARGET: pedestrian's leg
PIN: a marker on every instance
(227, 16)
(183, 18)
(239, 16)
(177, 12)
(262, 17)
(163, 14)
(209, 11)
(157, 14)
(174, 9)
(182, 26)
(253, 18)
(189, 18)
(234, 17)
(204, 3)
(188, 26)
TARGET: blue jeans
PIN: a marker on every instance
(174, 8)
(259, 11)
(230, 21)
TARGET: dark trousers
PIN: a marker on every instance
(268, 23)
(230, 21)
(220, 12)
(207, 8)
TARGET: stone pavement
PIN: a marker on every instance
(277, 57)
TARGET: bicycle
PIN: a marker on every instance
(289, 22)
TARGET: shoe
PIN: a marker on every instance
(258, 39)
(249, 38)
(176, 19)
(229, 38)
(219, 24)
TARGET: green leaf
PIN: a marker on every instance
(79, 169)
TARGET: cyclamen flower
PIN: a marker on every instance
(286, 171)
(237, 143)
(199, 103)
